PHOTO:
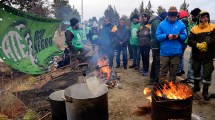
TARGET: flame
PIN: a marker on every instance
(174, 91)
(170, 91)
(104, 68)
(147, 93)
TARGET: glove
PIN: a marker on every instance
(202, 46)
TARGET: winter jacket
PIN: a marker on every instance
(144, 38)
(106, 37)
(202, 33)
(121, 35)
(154, 24)
(171, 47)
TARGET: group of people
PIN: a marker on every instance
(167, 35)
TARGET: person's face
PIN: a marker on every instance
(204, 19)
(106, 21)
(144, 19)
(76, 27)
(172, 18)
(135, 20)
(121, 22)
(194, 18)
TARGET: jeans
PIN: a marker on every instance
(130, 50)
(124, 53)
(190, 70)
(134, 50)
(155, 67)
(139, 54)
(145, 58)
(181, 65)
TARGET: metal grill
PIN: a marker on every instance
(160, 86)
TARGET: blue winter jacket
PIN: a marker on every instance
(171, 47)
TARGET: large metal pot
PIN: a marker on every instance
(81, 104)
(57, 103)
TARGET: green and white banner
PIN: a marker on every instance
(26, 41)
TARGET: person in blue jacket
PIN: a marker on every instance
(171, 33)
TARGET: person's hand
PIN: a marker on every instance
(171, 36)
(202, 46)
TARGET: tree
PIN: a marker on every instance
(134, 12)
(64, 11)
(184, 6)
(111, 13)
(141, 9)
(160, 9)
(37, 7)
(148, 9)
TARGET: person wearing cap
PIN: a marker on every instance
(155, 46)
(135, 26)
(170, 33)
(202, 41)
(194, 15)
(144, 40)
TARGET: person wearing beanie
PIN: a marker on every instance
(194, 14)
(135, 26)
(155, 46)
(74, 43)
(170, 33)
(144, 41)
(202, 41)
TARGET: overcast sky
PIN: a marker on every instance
(125, 7)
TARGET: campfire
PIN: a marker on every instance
(170, 101)
(105, 73)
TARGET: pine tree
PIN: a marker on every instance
(141, 9)
(184, 6)
(111, 13)
(160, 9)
(134, 12)
(148, 9)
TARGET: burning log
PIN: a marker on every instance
(106, 74)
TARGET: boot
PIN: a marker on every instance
(205, 93)
(196, 87)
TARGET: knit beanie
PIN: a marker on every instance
(74, 21)
(172, 11)
(163, 15)
(135, 16)
(195, 11)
